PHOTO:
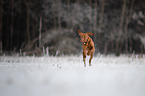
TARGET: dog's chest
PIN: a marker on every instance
(87, 47)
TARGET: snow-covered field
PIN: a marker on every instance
(66, 76)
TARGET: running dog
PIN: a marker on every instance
(88, 46)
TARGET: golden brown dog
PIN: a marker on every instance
(88, 46)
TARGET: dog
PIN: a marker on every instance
(88, 46)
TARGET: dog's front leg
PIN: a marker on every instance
(84, 58)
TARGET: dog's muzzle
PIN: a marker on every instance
(84, 43)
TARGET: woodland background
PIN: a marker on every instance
(36, 27)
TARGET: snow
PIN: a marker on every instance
(66, 76)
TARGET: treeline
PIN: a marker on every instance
(42, 26)
(19, 22)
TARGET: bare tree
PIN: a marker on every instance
(95, 22)
(28, 20)
(40, 29)
(1, 23)
(68, 12)
(54, 15)
(118, 41)
(129, 16)
(1, 16)
(59, 14)
(122, 16)
(101, 14)
(100, 25)
(126, 26)
(31, 14)
(91, 10)
(12, 21)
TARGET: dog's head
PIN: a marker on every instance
(84, 36)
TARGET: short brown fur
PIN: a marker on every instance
(88, 46)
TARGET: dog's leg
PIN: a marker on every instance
(84, 59)
(91, 56)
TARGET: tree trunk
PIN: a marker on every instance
(53, 13)
(34, 31)
(122, 16)
(11, 28)
(142, 50)
(106, 48)
(126, 25)
(18, 30)
(117, 48)
(95, 22)
(126, 45)
(1, 24)
(59, 15)
(40, 28)
(68, 12)
(90, 23)
(1, 20)
(130, 41)
(120, 28)
(102, 14)
(112, 46)
(28, 23)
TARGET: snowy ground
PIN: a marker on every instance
(66, 76)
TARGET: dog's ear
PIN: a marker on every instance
(90, 33)
(79, 32)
